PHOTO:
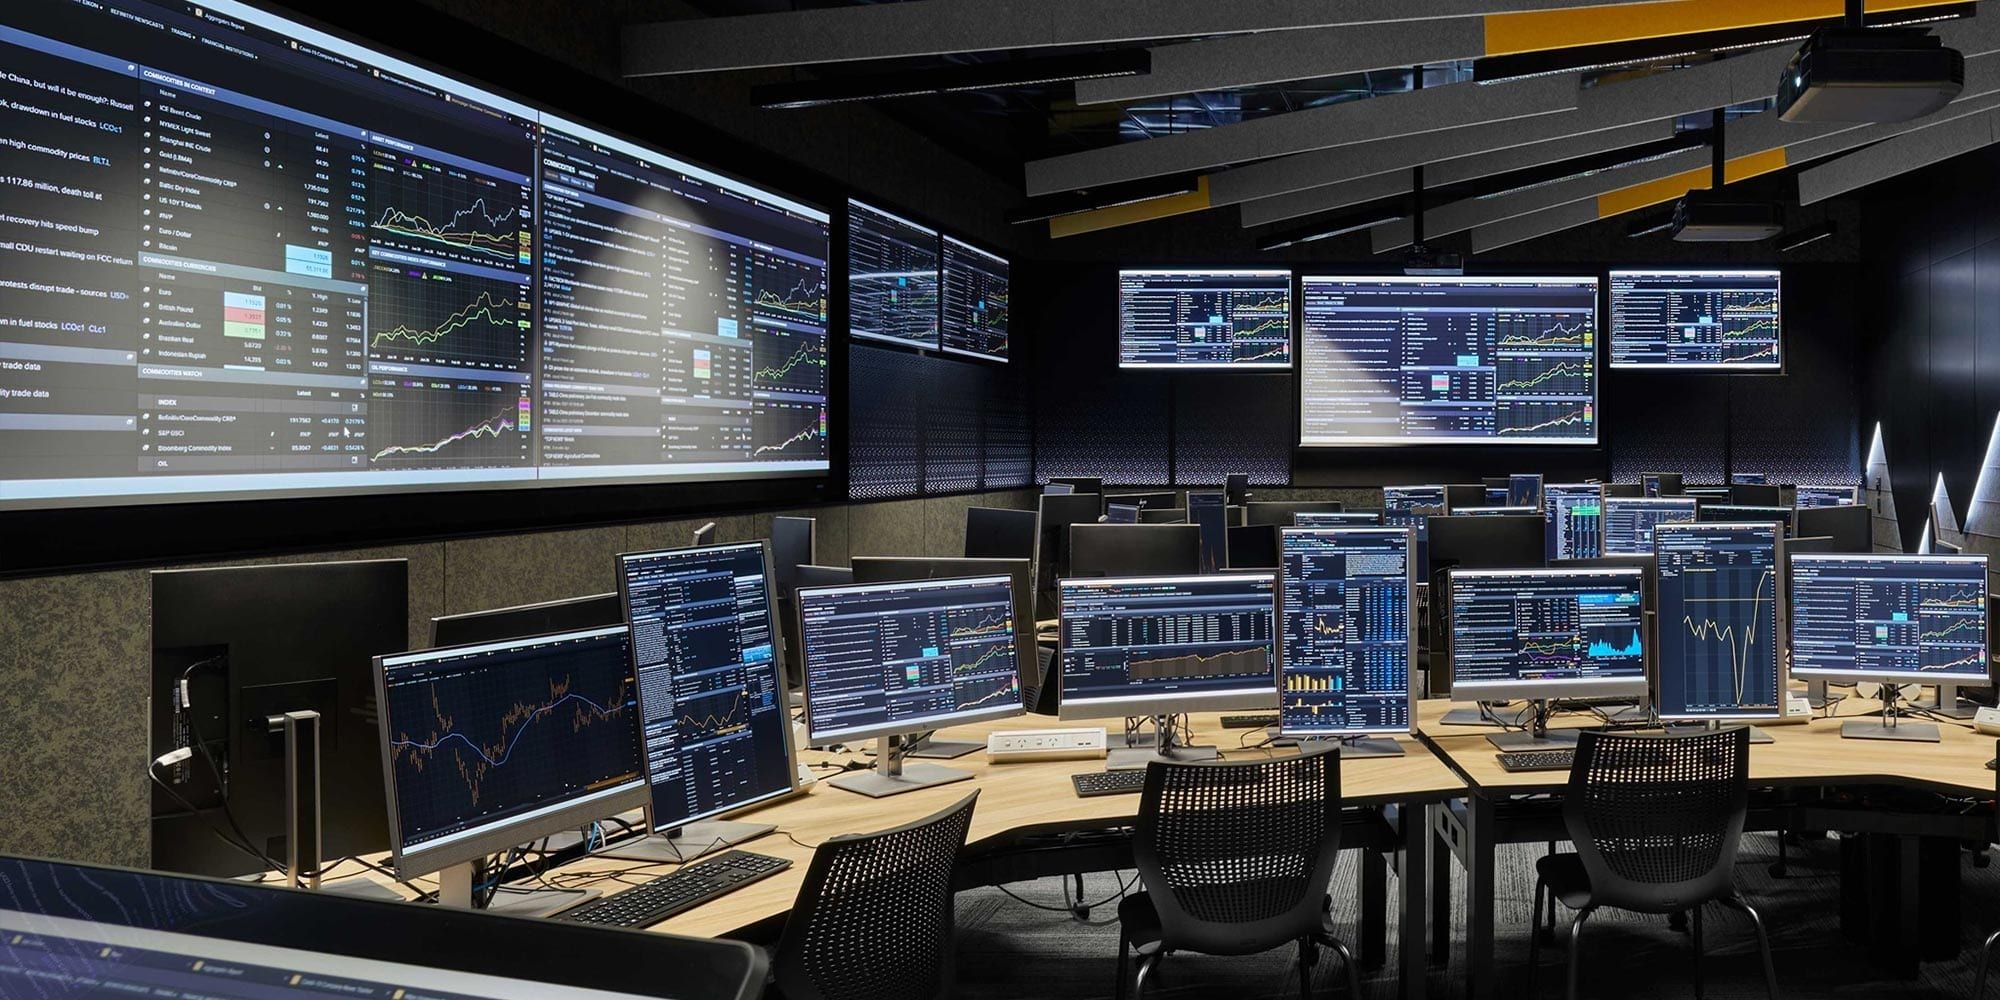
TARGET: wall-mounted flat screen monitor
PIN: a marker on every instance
(274, 262)
(1230, 319)
(892, 278)
(1397, 360)
(1696, 320)
(975, 302)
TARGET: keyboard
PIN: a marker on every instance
(1538, 760)
(1248, 721)
(653, 901)
(1091, 784)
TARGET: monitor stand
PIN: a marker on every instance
(926, 748)
(1756, 735)
(1538, 736)
(1467, 717)
(1352, 747)
(455, 889)
(893, 777)
(1890, 726)
(1949, 704)
(688, 842)
(1164, 748)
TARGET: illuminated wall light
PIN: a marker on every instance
(1983, 518)
(1943, 517)
(1881, 498)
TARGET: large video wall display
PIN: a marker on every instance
(1393, 360)
(241, 257)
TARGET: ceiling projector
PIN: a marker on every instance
(1702, 217)
(1868, 75)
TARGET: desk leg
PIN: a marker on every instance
(1440, 871)
(1479, 841)
(1410, 902)
(1374, 943)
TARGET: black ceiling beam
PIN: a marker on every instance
(998, 75)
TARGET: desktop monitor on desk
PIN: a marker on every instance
(232, 649)
(1209, 511)
(892, 660)
(1079, 484)
(1717, 655)
(1825, 496)
(1891, 618)
(1575, 520)
(712, 698)
(1349, 638)
(1524, 489)
(1729, 513)
(1413, 507)
(1236, 486)
(1850, 526)
(1748, 479)
(1020, 573)
(1459, 496)
(1163, 515)
(1000, 533)
(1337, 519)
(1134, 550)
(1279, 512)
(1120, 513)
(1535, 512)
(1546, 634)
(1160, 646)
(1756, 495)
(794, 543)
(523, 621)
(1660, 484)
(1253, 546)
(1056, 515)
(1144, 501)
(1058, 489)
(489, 746)
(1629, 521)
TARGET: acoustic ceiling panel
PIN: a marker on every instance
(1281, 56)
(1909, 151)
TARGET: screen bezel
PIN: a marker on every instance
(1611, 362)
(1780, 581)
(1291, 318)
(1841, 676)
(1410, 619)
(1174, 703)
(1543, 688)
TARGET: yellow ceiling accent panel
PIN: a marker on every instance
(1667, 189)
(1078, 223)
(1540, 31)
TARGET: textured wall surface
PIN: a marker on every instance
(75, 650)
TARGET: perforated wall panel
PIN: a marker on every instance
(1233, 422)
(924, 425)
(885, 448)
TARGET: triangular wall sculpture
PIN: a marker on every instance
(1888, 533)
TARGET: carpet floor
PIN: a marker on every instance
(1009, 948)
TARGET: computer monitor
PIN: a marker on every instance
(711, 696)
(1748, 479)
(1495, 496)
(1486, 543)
(1660, 484)
(1134, 550)
(1236, 486)
(1498, 512)
(1544, 634)
(1806, 497)
(1459, 496)
(1629, 521)
(1058, 489)
(1623, 490)
(1349, 637)
(1335, 519)
(1891, 618)
(1209, 511)
(1120, 513)
(1020, 574)
(1756, 495)
(1163, 515)
(823, 576)
(1524, 489)
(1158, 646)
(1729, 513)
(1413, 507)
(894, 659)
(1057, 514)
(1717, 656)
(233, 647)
(523, 621)
(1253, 546)
(1575, 513)
(1081, 484)
(1813, 543)
(1849, 526)
(794, 543)
(489, 746)
(999, 533)
(1280, 512)
(1154, 501)
(1705, 494)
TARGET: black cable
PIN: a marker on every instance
(245, 847)
(801, 843)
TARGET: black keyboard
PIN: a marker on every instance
(1249, 721)
(1091, 784)
(1538, 760)
(651, 902)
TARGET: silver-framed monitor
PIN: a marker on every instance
(1347, 671)
(1717, 654)
(1545, 634)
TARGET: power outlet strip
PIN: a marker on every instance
(1797, 710)
(1987, 721)
(1046, 744)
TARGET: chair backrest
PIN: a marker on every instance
(1656, 819)
(1237, 857)
(873, 920)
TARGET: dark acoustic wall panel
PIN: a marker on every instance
(951, 405)
(925, 425)
(885, 444)
(1008, 445)
(1226, 423)
(1804, 427)
(1666, 423)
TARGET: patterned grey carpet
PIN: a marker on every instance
(1009, 949)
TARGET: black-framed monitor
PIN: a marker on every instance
(976, 294)
(1055, 514)
(1391, 360)
(895, 659)
(1629, 521)
(1281, 512)
(1730, 513)
(1181, 318)
(1336, 518)
(1851, 526)
(1120, 513)
(1524, 489)
(1806, 497)
(1165, 645)
(1412, 507)
(1349, 656)
(1253, 546)
(1660, 484)
(1718, 655)
(1097, 550)
(490, 746)
(1544, 634)
(1209, 511)
(1575, 513)
(1155, 499)
(1897, 619)
(892, 277)
(522, 621)
(1697, 319)
(794, 543)
(1000, 533)
(705, 636)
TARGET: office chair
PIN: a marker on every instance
(1235, 859)
(1986, 950)
(1656, 821)
(873, 919)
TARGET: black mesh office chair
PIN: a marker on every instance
(1656, 821)
(873, 919)
(1236, 859)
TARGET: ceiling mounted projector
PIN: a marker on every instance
(1869, 75)
(1702, 217)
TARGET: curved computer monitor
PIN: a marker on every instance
(522, 621)
(1350, 646)
(1165, 645)
(1918, 619)
(1543, 634)
(489, 746)
(1717, 654)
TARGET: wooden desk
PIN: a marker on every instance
(1807, 755)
